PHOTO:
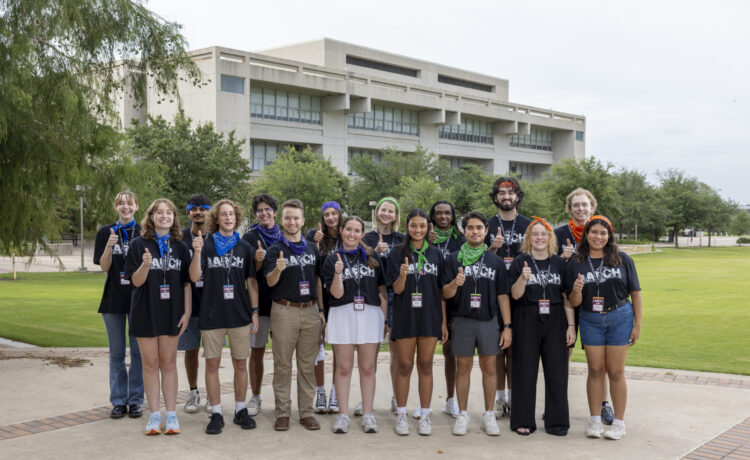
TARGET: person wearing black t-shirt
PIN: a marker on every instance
(158, 266)
(356, 318)
(446, 237)
(543, 327)
(190, 342)
(292, 269)
(413, 272)
(476, 288)
(327, 241)
(228, 307)
(602, 281)
(382, 240)
(261, 236)
(110, 250)
(506, 231)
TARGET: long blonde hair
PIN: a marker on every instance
(551, 242)
(147, 224)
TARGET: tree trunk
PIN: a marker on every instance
(709, 237)
(676, 238)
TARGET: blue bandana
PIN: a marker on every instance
(163, 242)
(207, 207)
(225, 243)
(330, 204)
(125, 227)
(297, 248)
(358, 251)
(269, 235)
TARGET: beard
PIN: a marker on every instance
(507, 205)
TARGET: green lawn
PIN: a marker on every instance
(696, 310)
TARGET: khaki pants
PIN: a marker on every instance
(294, 329)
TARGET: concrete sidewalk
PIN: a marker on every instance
(55, 404)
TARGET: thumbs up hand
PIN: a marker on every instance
(112, 240)
(567, 249)
(432, 236)
(281, 263)
(318, 234)
(460, 278)
(146, 258)
(260, 253)
(338, 267)
(497, 242)
(404, 270)
(198, 242)
(381, 247)
(578, 284)
(526, 272)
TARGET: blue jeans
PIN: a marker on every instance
(612, 328)
(124, 387)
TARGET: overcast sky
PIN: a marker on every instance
(663, 84)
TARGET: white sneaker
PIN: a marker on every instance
(394, 406)
(594, 429)
(333, 404)
(253, 406)
(358, 409)
(369, 425)
(207, 407)
(402, 425)
(173, 426)
(617, 431)
(341, 425)
(499, 408)
(425, 426)
(451, 408)
(461, 425)
(489, 424)
(417, 412)
(193, 401)
(320, 403)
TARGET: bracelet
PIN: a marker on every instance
(253, 310)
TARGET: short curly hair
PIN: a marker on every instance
(212, 222)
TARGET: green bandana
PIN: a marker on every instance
(445, 235)
(421, 258)
(469, 256)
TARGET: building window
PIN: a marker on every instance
(284, 105)
(465, 83)
(538, 139)
(386, 119)
(232, 84)
(579, 136)
(381, 66)
(459, 162)
(470, 130)
(263, 153)
(374, 155)
(523, 171)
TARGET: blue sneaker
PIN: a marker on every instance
(154, 424)
(173, 426)
(608, 413)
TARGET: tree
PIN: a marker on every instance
(715, 211)
(638, 210)
(740, 224)
(195, 160)
(468, 188)
(419, 192)
(306, 176)
(62, 65)
(678, 199)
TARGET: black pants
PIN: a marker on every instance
(535, 337)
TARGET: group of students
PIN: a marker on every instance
(510, 289)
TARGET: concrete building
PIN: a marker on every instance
(346, 100)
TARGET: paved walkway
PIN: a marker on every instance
(56, 400)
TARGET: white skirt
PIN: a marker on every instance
(349, 327)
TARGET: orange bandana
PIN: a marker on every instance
(576, 230)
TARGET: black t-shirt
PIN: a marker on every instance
(486, 277)
(392, 239)
(563, 234)
(302, 268)
(310, 237)
(151, 316)
(264, 292)
(217, 312)
(450, 246)
(369, 280)
(195, 288)
(615, 283)
(117, 288)
(511, 231)
(416, 322)
(553, 269)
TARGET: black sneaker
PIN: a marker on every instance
(118, 411)
(243, 419)
(216, 424)
(135, 411)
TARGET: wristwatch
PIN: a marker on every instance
(509, 326)
(254, 310)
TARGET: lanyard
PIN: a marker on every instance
(444, 247)
(542, 275)
(417, 276)
(597, 273)
(301, 264)
(573, 240)
(355, 271)
(478, 273)
(165, 262)
(228, 259)
(508, 235)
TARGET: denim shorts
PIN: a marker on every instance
(191, 338)
(612, 328)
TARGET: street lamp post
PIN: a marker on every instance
(81, 189)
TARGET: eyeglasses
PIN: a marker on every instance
(262, 210)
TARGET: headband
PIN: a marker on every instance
(602, 218)
(330, 204)
(207, 207)
(506, 184)
(542, 221)
(388, 198)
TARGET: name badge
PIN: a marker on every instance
(508, 261)
(597, 304)
(359, 303)
(228, 292)
(304, 288)
(199, 283)
(543, 307)
(164, 292)
(123, 281)
(475, 300)
(416, 300)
